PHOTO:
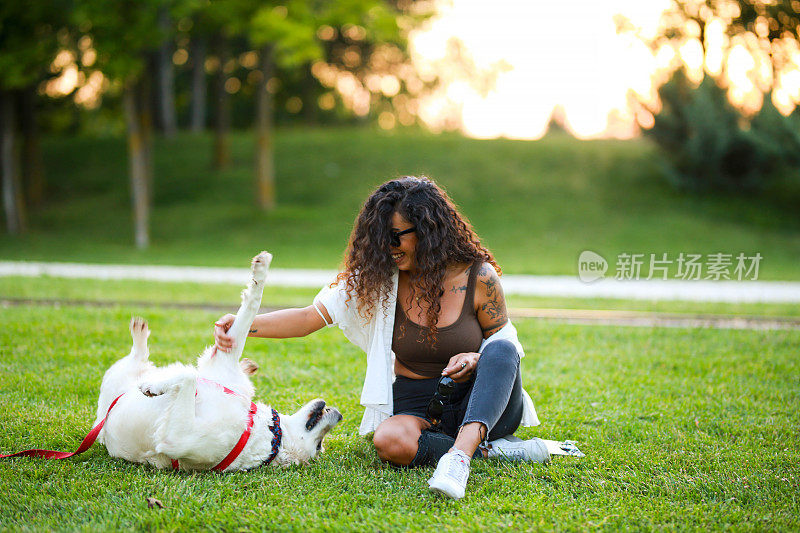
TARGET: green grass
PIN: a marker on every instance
(222, 294)
(683, 429)
(537, 205)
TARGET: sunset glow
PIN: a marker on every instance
(539, 57)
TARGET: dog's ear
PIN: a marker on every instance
(248, 366)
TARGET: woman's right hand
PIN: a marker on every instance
(222, 340)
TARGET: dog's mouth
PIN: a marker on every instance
(320, 412)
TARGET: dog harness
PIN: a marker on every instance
(225, 463)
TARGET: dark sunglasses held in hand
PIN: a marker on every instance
(444, 389)
(394, 236)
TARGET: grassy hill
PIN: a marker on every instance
(537, 205)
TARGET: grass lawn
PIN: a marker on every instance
(537, 205)
(683, 429)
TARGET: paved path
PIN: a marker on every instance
(555, 286)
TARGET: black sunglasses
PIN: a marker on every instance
(394, 236)
(444, 389)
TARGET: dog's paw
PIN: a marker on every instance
(248, 366)
(139, 329)
(151, 389)
(260, 266)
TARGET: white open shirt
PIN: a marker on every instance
(374, 336)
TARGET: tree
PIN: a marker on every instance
(373, 60)
(199, 46)
(193, 24)
(165, 75)
(707, 143)
(222, 116)
(287, 35)
(221, 22)
(123, 34)
(28, 44)
(769, 29)
(12, 193)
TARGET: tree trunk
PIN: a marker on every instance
(309, 87)
(137, 165)
(222, 118)
(12, 194)
(145, 118)
(166, 77)
(265, 170)
(198, 122)
(32, 171)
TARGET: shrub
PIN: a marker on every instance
(708, 145)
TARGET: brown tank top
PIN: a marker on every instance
(412, 348)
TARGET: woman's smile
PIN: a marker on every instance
(403, 255)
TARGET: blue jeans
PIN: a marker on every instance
(492, 397)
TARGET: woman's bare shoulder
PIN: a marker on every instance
(486, 272)
(487, 286)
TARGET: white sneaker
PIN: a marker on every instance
(450, 476)
(534, 450)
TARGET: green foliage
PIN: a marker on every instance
(291, 29)
(684, 429)
(122, 31)
(29, 39)
(377, 17)
(710, 146)
(292, 26)
(781, 133)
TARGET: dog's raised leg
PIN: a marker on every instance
(139, 333)
(224, 367)
(126, 371)
(251, 301)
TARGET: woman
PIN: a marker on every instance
(421, 296)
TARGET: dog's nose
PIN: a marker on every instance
(336, 414)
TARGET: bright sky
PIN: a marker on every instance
(546, 53)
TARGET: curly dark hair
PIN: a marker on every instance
(444, 237)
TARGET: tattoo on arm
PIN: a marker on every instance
(491, 287)
(253, 330)
(495, 306)
(495, 310)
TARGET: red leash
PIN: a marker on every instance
(85, 445)
(92, 436)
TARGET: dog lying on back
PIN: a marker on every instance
(182, 416)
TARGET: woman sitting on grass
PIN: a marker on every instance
(422, 297)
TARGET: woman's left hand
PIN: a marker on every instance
(461, 366)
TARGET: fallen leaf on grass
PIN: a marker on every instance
(152, 502)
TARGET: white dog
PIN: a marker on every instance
(182, 416)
